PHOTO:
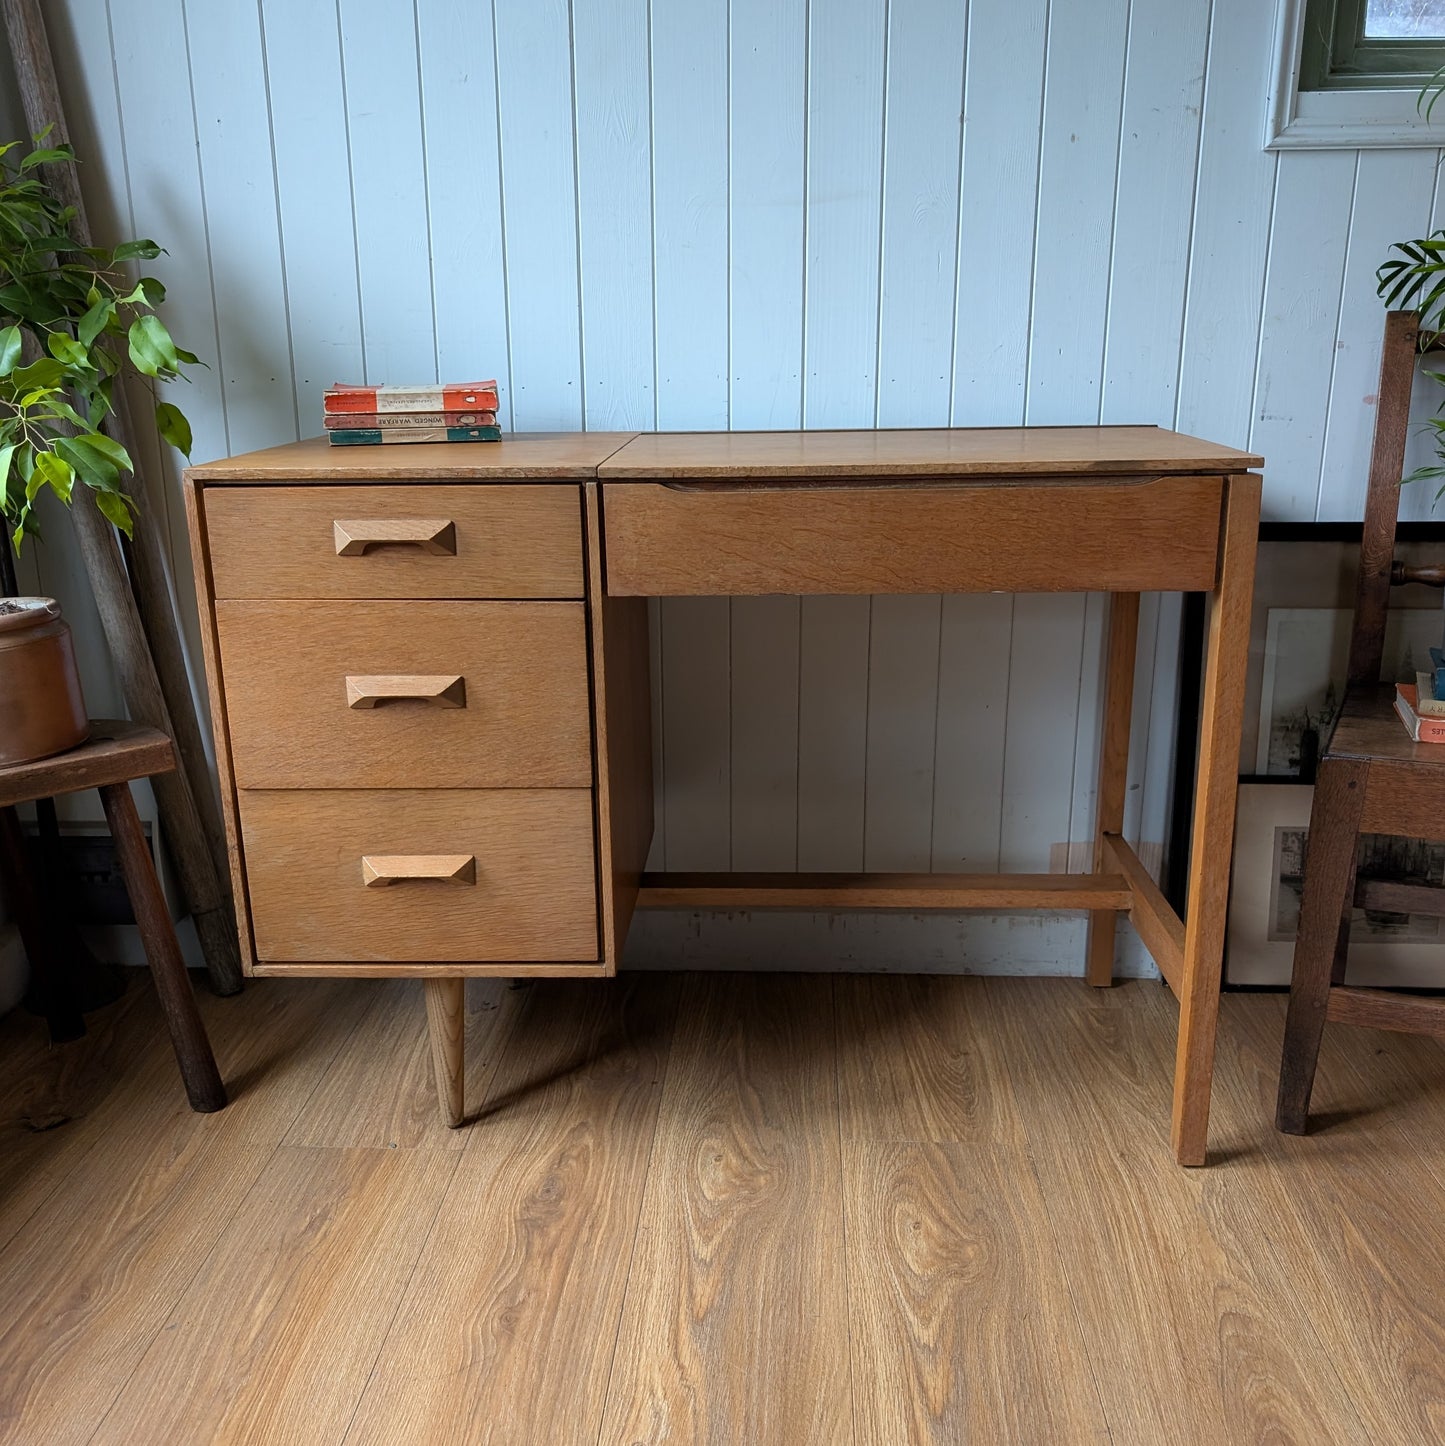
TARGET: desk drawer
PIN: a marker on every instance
(406, 694)
(397, 541)
(1114, 534)
(421, 876)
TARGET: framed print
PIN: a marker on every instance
(1271, 827)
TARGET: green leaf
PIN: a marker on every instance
(46, 156)
(92, 469)
(9, 349)
(6, 453)
(69, 352)
(152, 290)
(114, 506)
(94, 322)
(174, 427)
(130, 250)
(54, 472)
(111, 450)
(151, 348)
(42, 372)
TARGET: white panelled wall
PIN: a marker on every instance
(773, 213)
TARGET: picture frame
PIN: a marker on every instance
(1271, 826)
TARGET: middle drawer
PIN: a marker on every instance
(406, 694)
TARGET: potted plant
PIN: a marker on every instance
(72, 324)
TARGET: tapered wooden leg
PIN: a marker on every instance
(1222, 710)
(1113, 769)
(446, 1020)
(173, 986)
(1329, 887)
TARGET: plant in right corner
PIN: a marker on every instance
(85, 325)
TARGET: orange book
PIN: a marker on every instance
(452, 397)
(1421, 729)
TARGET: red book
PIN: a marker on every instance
(410, 419)
(452, 397)
(1421, 729)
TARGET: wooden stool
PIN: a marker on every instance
(114, 754)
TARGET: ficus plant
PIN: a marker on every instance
(72, 322)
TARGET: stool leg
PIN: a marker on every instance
(188, 1035)
(446, 1019)
(1328, 894)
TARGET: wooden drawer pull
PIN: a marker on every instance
(434, 535)
(370, 690)
(379, 870)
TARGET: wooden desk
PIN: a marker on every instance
(423, 775)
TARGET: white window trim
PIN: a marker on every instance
(1336, 119)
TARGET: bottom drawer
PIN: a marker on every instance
(420, 875)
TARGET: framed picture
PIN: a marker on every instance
(1386, 949)
(1302, 680)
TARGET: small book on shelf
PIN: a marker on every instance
(1422, 728)
(381, 436)
(388, 420)
(448, 397)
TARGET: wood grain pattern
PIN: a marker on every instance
(541, 455)
(534, 898)
(510, 541)
(1137, 536)
(1113, 770)
(140, 1216)
(381, 1091)
(219, 720)
(1382, 1009)
(339, 1232)
(446, 1023)
(1212, 836)
(945, 452)
(507, 1328)
(962, 1327)
(1226, 1354)
(622, 731)
(526, 721)
(915, 892)
(743, 1212)
(1160, 928)
(115, 752)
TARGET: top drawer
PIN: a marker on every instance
(402, 541)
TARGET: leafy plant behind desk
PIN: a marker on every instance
(87, 325)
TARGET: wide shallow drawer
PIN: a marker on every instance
(1125, 534)
(421, 876)
(396, 540)
(406, 694)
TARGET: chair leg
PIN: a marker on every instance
(446, 1018)
(1319, 947)
(188, 1035)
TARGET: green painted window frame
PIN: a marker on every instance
(1337, 55)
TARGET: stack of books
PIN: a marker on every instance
(371, 416)
(1421, 704)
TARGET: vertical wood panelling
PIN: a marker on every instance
(832, 731)
(1077, 175)
(614, 213)
(464, 189)
(747, 214)
(534, 78)
(922, 137)
(307, 98)
(997, 210)
(767, 70)
(1313, 200)
(388, 188)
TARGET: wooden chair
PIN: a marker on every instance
(1371, 779)
(114, 754)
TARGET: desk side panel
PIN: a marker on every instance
(712, 539)
(216, 693)
(622, 722)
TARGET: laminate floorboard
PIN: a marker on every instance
(759, 1210)
(506, 1331)
(736, 1321)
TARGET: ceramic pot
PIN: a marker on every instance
(41, 708)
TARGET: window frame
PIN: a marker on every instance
(1366, 104)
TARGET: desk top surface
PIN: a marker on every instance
(1075, 452)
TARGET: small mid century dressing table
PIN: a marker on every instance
(428, 669)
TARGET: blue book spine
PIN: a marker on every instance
(1437, 671)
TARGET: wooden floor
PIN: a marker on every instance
(724, 1208)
